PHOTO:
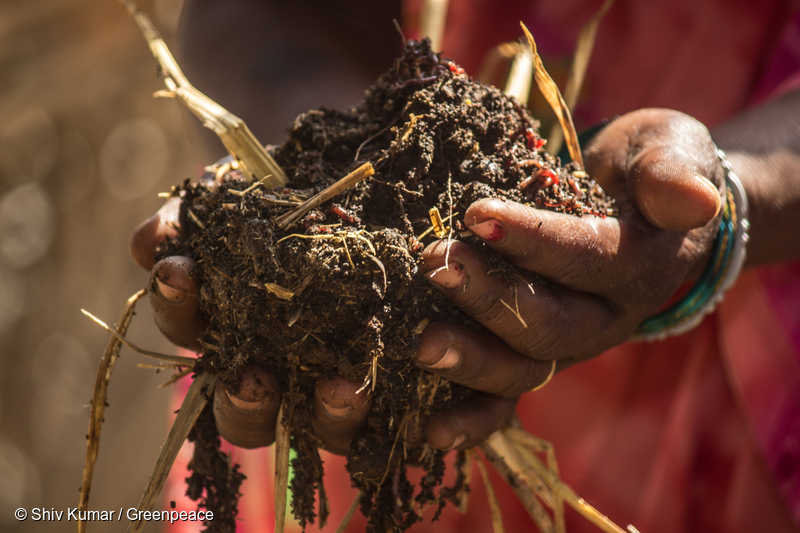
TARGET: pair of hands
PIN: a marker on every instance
(604, 276)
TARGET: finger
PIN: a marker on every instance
(469, 423)
(670, 193)
(152, 232)
(176, 308)
(339, 412)
(595, 255)
(479, 360)
(666, 162)
(246, 414)
(537, 319)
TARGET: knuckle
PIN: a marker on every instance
(551, 335)
(524, 379)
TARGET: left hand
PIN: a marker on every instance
(593, 280)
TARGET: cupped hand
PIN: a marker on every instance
(588, 281)
(246, 412)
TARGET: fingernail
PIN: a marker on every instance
(449, 277)
(459, 440)
(170, 293)
(243, 404)
(336, 412)
(490, 230)
(448, 361)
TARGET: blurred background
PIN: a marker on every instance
(84, 150)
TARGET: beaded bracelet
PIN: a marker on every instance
(727, 258)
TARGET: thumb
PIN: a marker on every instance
(670, 193)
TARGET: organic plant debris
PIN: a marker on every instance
(340, 292)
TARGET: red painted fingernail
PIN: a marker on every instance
(170, 293)
(449, 277)
(490, 230)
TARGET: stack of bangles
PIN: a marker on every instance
(727, 258)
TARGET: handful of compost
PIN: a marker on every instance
(320, 278)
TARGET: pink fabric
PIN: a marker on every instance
(699, 433)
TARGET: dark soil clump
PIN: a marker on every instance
(340, 292)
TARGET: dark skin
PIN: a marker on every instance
(606, 275)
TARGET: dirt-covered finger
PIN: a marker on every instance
(246, 413)
(537, 319)
(152, 232)
(477, 359)
(581, 253)
(469, 423)
(339, 412)
(176, 308)
(616, 259)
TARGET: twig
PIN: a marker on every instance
(431, 228)
(194, 402)
(101, 381)
(175, 359)
(282, 434)
(232, 131)
(359, 174)
(497, 515)
(350, 512)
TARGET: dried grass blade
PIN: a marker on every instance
(359, 174)
(101, 381)
(551, 93)
(349, 514)
(559, 487)
(194, 402)
(497, 515)
(432, 21)
(521, 74)
(463, 501)
(492, 60)
(175, 359)
(175, 377)
(577, 71)
(503, 455)
(232, 131)
(282, 434)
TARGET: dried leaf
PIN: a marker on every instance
(196, 398)
(551, 93)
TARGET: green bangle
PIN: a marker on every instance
(727, 258)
